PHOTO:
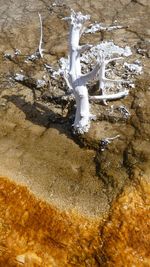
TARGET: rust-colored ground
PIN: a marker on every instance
(32, 233)
(126, 235)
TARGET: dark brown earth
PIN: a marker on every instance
(107, 190)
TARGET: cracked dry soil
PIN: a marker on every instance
(89, 208)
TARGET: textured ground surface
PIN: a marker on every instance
(36, 234)
(38, 150)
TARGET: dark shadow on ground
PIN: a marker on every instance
(42, 115)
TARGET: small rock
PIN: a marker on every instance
(40, 83)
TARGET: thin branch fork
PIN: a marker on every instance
(102, 78)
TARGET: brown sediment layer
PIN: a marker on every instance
(33, 233)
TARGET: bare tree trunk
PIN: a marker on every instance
(81, 122)
(77, 81)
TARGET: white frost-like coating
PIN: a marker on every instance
(101, 27)
(40, 83)
(108, 49)
(135, 67)
(64, 67)
(19, 77)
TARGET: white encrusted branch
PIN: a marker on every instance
(68, 82)
(40, 50)
(76, 81)
(103, 81)
(114, 96)
(90, 75)
(102, 77)
(99, 27)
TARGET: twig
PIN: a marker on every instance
(40, 50)
(104, 142)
